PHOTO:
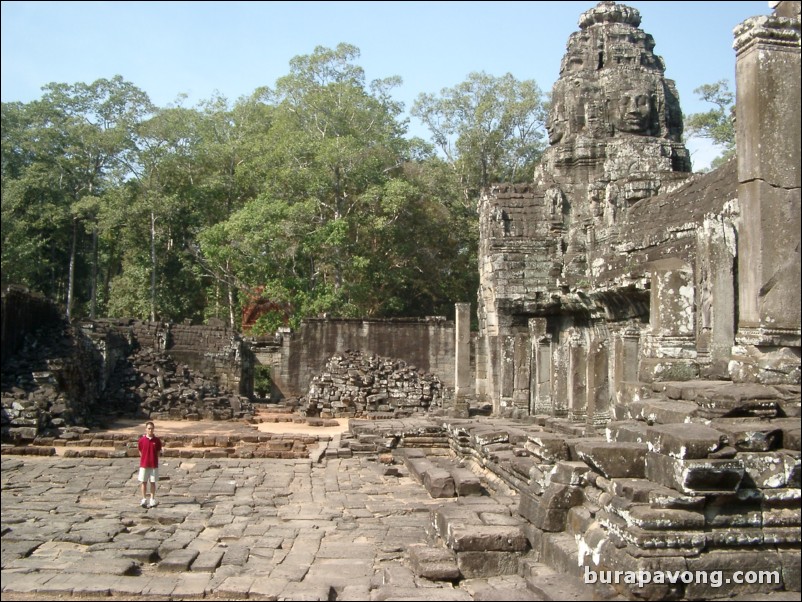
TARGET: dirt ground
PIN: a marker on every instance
(221, 427)
(216, 427)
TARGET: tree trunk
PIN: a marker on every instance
(152, 266)
(93, 300)
(231, 317)
(71, 272)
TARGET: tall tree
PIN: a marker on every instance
(333, 145)
(488, 128)
(72, 140)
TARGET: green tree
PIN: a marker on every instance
(717, 124)
(333, 146)
(488, 128)
(167, 173)
(65, 152)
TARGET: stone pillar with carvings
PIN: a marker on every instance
(767, 344)
(669, 351)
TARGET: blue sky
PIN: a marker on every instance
(197, 48)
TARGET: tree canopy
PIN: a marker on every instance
(717, 124)
(309, 194)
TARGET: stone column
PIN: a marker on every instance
(559, 370)
(507, 373)
(598, 382)
(768, 141)
(670, 347)
(462, 350)
(521, 379)
(577, 375)
(625, 361)
(715, 294)
(541, 367)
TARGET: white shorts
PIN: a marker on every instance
(148, 474)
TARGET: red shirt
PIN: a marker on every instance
(149, 449)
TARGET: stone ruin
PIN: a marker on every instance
(355, 385)
(621, 294)
(616, 265)
(59, 379)
(639, 342)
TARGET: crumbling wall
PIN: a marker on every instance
(22, 312)
(52, 378)
(57, 376)
(296, 357)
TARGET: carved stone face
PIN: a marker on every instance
(556, 123)
(634, 112)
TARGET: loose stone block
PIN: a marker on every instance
(694, 476)
(613, 459)
(663, 412)
(478, 565)
(562, 496)
(497, 538)
(465, 482)
(683, 441)
(439, 483)
(765, 470)
(568, 473)
(752, 436)
(437, 564)
(626, 431)
(549, 447)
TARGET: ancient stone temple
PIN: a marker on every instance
(616, 265)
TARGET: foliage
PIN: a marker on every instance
(308, 192)
(717, 124)
(490, 129)
(262, 380)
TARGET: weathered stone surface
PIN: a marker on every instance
(207, 561)
(178, 560)
(568, 473)
(613, 459)
(683, 441)
(465, 482)
(439, 483)
(497, 538)
(437, 564)
(751, 435)
(694, 476)
(475, 565)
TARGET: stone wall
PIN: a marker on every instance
(295, 357)
(23, 312)
(52, 379)
(57, 376)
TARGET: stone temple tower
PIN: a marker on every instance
(617, 271)
(552, 306)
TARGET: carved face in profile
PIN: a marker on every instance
(634, 112)
(556, 123)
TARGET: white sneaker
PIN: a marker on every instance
(152, 503)
(144, 502)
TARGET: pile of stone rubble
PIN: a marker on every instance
(50, 383)
(357, 385)
(150, 381)
(697, 476)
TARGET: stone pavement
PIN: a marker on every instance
(224, 528)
